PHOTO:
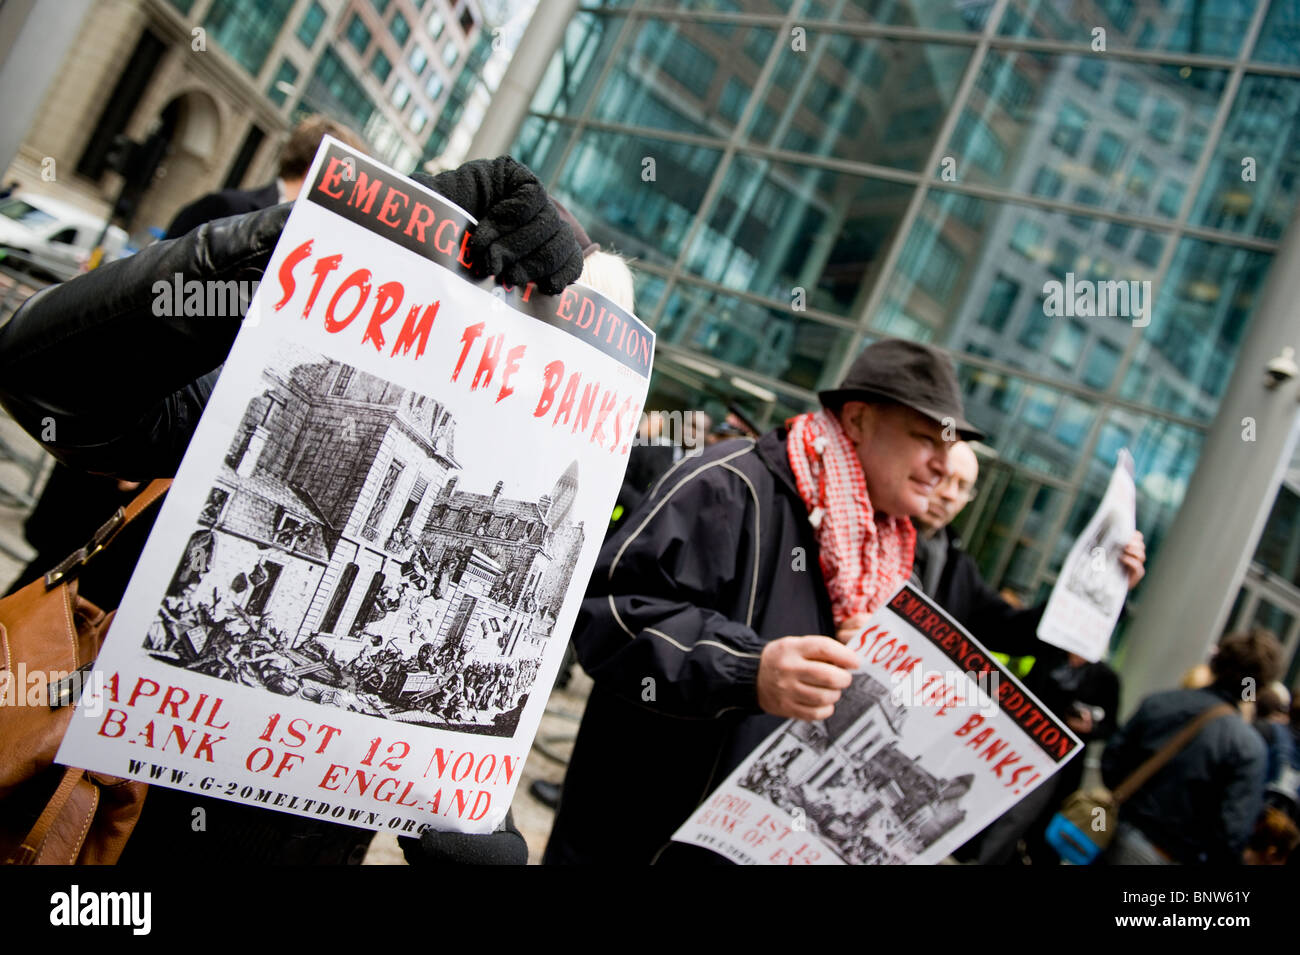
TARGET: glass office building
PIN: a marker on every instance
(796, 180)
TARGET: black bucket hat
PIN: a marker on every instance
(911, 374)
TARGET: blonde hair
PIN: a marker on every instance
(609, 275)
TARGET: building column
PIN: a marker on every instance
(34, 40)
(542, 37)
(1204, 559)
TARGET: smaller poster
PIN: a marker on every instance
(932, 741)
(1090, 592)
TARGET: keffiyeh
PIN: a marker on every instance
(864, 558)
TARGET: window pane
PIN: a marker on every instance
(768, 341)
(1252, 183)
(334, 90)
(602, 185)
(311, 23)
(775, 228)
(358, 34)
(1200, 318)
(1212, 27)
(869, 99)
(380, 66)
(400, 29)
(246, 29)
(1031, 115)
(1279, 40)
(683, 76)
(1036, 290)
(1031, 425)
(1279, 547)
(1000, 303)
(284, 77)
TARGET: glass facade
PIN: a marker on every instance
(796, 180)
(246, 29)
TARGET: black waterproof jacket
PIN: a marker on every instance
(718, 561)
(978, 607)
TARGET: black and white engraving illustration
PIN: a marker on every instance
(343, 557)
(1093, 575)
(847, 779)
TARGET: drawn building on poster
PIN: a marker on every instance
(865, 797)
(340, 560)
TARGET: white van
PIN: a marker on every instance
(50, 237)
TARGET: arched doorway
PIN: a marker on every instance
(191, 124)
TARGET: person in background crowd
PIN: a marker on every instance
(1272, 720)
(1201, 807)
(1274, 839)
(295, 160)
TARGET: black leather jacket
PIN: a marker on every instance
(105, 383)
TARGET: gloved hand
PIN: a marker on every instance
(520, 236)
(506, 846)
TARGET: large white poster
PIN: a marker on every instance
(359, 589)
(932, 741)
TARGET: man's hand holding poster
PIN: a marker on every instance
(933, 740)
(359, 589)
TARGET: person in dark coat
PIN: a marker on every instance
(120, 410)
(712, 614)
(1202, 806)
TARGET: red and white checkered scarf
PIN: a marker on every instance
(865, 558)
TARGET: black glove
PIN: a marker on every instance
(504, 847)
(520, 236)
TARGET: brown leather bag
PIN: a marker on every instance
(49, 814)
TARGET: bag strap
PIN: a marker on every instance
(31, 844)
(72, 564)
(1143, 773)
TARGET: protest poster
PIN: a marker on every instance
(932, 741)
(359, 589)
(1090, 592)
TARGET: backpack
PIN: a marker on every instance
(1073, 831)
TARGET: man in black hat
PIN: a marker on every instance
(712, 613)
